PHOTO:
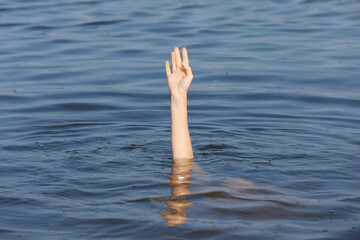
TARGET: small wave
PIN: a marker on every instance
(6, 9)
(20, 147)
(190, 6)
(19, 201)
(104, 22)
(74, 193)
(41, 27)
(76, 107)
(213, 147)
(141, 14)
(11, 24)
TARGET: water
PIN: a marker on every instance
(273, 113)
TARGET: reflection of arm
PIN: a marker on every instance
(179, 82)
(180, 177)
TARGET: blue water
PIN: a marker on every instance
(273, 114)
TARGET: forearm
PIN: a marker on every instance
(180, 136)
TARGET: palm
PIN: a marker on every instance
(180, 79)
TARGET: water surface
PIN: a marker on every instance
(273, 113)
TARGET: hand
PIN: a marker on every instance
(181, 77)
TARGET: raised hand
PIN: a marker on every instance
(180, 78)
(179, 82)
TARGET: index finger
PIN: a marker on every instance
(167, 68)
(185, 57)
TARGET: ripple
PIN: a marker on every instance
(40, 27)
(213, 147)
(19, 201)
(105, 22)
(141, 14)
(190, 6)
(11, 24)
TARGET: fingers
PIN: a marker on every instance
(177, 57)
(187, 69)
(167, 68)
(173, 62)
(185, 57)
(176, 61)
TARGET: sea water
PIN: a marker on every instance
(274, 116)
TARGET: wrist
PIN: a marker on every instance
(178, 96)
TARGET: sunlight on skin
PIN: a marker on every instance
(179, 80)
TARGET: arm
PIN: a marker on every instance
(179, 82)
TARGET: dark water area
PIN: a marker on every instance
(273, 113)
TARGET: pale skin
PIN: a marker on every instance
(179, 80)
